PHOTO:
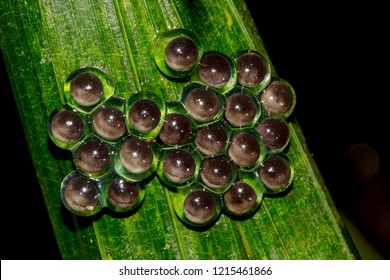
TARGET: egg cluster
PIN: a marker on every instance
(218, 147)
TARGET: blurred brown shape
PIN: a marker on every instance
(371, 207)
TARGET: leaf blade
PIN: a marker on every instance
(50, 39)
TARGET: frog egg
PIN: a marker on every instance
(246, 149)
(86, 88)
(92, 157)
(212, 139)
(244, 196)
(278, 98)
(135, 159)
(181, 54)
(108, 121)
(80, 195)
(253, 70)
(123, 195)
(217, 173)
(177, 52)
(177, 128)
(276, 173)
(203, 104)
(66, 128)
(216, 70)
(179, 167)
(196, 206)
(274, 132)
(242, 108)
(145, 114)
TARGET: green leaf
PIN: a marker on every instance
(44, 41)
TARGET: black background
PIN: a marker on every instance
(335, 57)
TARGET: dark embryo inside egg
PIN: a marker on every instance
(211, 139)
(252, 69)
(240, 198)
(109, 123)
(93, 156)
(144, 115)
(80, 194)
(176, 130)
(67, 126)
(202, 104)
(275, 172)
(86, 89)
(244, 149)
(123, 194)
(179, 166)
(136, 155)
(277, 97)
(240, 109)
(199, 206)
(216, 172)
(181, 54)
(214, 70)
(274, 132)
